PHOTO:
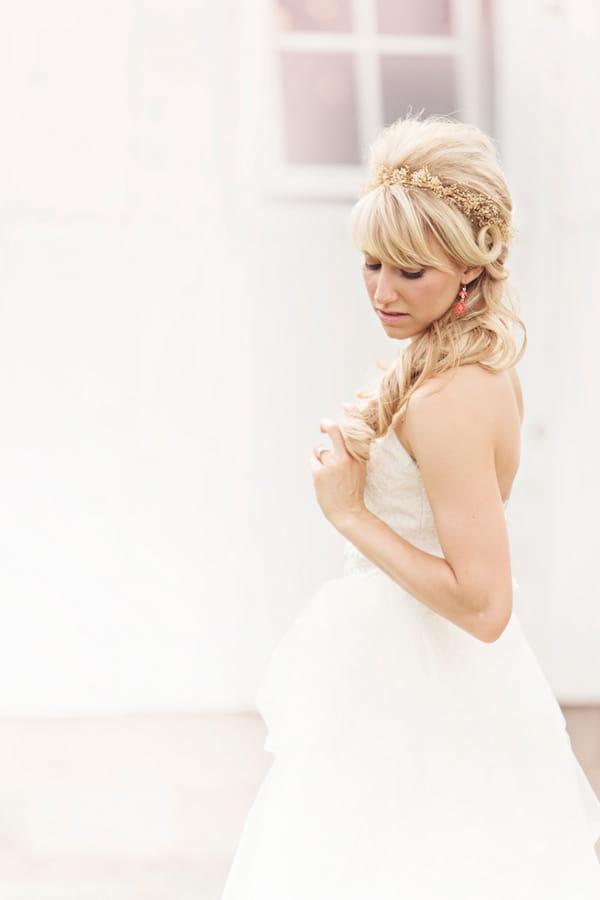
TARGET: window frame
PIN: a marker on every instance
(467, 45)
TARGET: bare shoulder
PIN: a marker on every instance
(469, 400)
(469, 385)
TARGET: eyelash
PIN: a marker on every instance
(372, 267)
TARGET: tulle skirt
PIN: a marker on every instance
(412, 762)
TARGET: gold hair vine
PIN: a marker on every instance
(474, 205)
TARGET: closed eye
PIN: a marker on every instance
(373, 267)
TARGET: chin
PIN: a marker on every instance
(402, 333)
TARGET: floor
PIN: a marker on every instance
(143, 807)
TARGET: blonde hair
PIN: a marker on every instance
(398, 224)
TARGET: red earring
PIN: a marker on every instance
(460, 305)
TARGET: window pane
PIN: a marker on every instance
(413, 16)
(313, 15)
(319, 108)
(418, 82)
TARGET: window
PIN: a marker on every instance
(343, 68)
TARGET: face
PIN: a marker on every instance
(408, 301)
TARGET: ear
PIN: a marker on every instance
(469, 275)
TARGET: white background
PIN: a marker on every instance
(169, 339)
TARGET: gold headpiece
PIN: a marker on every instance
(474, 205)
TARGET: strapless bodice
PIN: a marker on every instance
(395, 493)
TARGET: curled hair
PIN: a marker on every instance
(401, 225)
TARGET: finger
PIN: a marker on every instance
(329, 427)
(319, 451)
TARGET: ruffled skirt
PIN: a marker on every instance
(412, 762)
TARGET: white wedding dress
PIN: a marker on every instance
(411, 761)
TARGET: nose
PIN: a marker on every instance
(385, 289)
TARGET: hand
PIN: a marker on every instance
(339, 479)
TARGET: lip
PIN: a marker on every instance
(390, 319)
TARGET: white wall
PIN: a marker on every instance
(169, 342)
(123, 399)
(549, 95)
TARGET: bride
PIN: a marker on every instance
(419, 753)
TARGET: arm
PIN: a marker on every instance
(451, 434)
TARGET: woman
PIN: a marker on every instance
(419, 751)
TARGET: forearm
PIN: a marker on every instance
(428, 578)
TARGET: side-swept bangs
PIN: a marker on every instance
(385, 225)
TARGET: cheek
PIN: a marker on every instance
(437, 291)
(417, 292)
(445, 287)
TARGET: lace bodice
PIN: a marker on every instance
(394, 491)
